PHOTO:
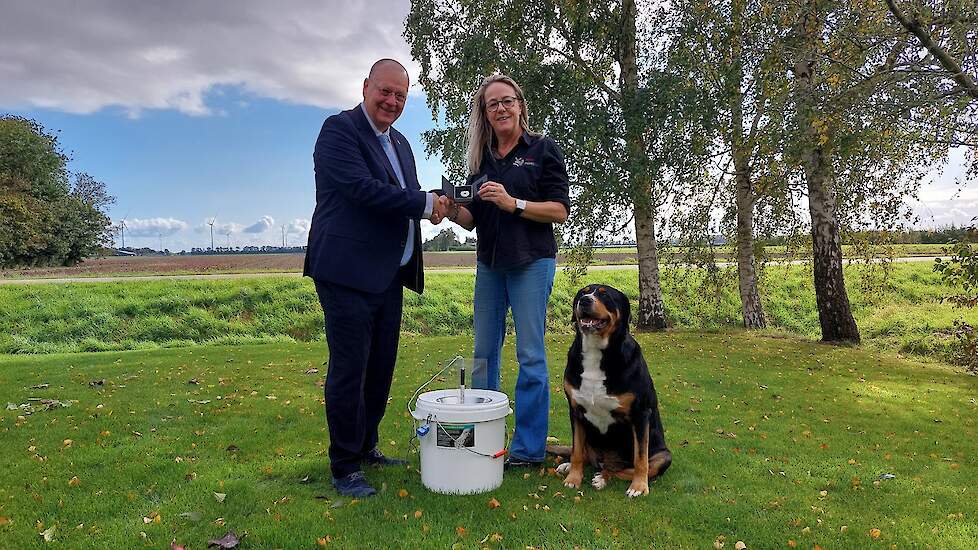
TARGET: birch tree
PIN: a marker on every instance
(594, 82)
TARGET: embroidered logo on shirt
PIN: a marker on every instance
(528, 161)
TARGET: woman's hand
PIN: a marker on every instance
(495, 193)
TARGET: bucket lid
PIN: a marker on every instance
(479, 405)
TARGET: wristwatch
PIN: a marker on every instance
(520, 207)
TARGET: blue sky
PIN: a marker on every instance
(190, 110)
(251, 159)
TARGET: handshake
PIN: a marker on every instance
(442, 207)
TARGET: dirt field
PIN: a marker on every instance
(238, 263)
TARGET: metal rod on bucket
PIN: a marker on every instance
(461, 385)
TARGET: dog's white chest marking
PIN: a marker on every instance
(593, 395)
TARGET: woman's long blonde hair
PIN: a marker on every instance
(480, 131)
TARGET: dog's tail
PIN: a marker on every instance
(563, 451)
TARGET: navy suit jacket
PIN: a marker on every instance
(359, 227)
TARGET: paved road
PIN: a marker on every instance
(43, 281)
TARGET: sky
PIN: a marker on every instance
(191, 111)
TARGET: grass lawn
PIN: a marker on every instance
(907, 314)
(777, 441)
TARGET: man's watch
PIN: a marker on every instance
(520, 207)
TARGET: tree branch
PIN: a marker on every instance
(946, 61)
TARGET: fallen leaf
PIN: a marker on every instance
(175, 546)
(792, 543)
(220, 497)
(493, 504)
(48, 534)
(74, 482)
(323, 541)
(875, 533)
(4, 521)
(460, 531)
(417, 514)
(740, 545)
(230, 540)
(402, 493)
(192, 516)
(67, 442)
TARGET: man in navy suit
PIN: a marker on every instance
(364, 245)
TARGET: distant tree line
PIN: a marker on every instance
(447, 240)
(47, 215)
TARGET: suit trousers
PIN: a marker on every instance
(362, 331)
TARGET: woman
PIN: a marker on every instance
(513, 213)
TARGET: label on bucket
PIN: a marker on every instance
(456, 435)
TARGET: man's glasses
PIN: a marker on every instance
(400, 97)
(507, 102)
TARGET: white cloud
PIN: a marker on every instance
(83, 56)
(298, 226)
(154, 227)
(262, 225)
(220, 228)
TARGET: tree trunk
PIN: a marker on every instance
(651, 309)
(834, 312)
(750, 298)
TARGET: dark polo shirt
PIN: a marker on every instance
(533, 171)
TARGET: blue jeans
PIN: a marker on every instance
(525, 289)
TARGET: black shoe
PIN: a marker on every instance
(516, 462)
(354, 485)
(377, 458)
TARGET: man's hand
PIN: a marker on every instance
(440, 209)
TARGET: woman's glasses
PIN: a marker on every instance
(506, 102)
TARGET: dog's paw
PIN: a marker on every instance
(563, 468)
(573, 480)
(637, 488)
(598, 481)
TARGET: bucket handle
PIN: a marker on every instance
(430, 380)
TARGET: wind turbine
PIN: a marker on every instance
(283, 236)
(122, 229)
(211, 223)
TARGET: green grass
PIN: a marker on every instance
(727, 251)
(906, 314)
(759, 426)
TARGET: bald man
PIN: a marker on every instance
(364, 246)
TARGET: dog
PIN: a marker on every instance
(614, 410)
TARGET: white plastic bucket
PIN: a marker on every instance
(461, 453)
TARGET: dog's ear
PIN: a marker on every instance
(577, 298)
(624, 309)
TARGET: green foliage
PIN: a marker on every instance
(907, 315)
(46, 220)
(961, 271)
(763, 430)
(32, 156)
(445, 240)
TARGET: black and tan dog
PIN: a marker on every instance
(614, 411)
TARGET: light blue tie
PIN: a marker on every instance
(385, 142)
